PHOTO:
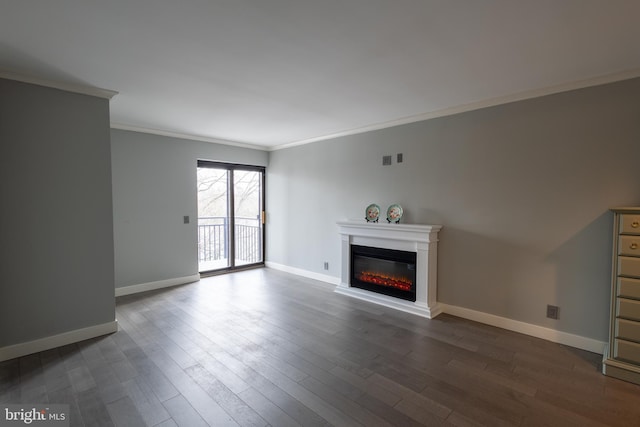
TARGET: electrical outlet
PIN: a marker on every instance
(399, 158)
(552, 311)
(185, 219)
(326, 265)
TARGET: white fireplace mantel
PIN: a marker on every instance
(418, 238)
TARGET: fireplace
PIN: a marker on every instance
(394, 265)
(385, 271)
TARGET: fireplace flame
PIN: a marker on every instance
(385, 280)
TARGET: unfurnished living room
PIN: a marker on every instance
(320, 213)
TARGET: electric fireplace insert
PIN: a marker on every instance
(385, 271)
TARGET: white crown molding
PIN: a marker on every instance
(150, 286)
(47, 343)
(122, 126)
(68, 87)
(520, 96)
(492, 102)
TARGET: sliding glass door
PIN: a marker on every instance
(230, 216)
(247, 211)
(213, 219)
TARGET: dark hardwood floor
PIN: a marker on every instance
(262, 347)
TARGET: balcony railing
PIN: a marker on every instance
(213, 244)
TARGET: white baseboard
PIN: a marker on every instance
(327, 280)
(150, 286)
(548, 334)
(572, 340)
(47, 343)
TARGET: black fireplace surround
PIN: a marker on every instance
(385, 271)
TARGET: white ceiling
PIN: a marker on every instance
(272, 73)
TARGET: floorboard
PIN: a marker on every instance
(266, 348)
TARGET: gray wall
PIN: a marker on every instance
(56, 225)
(522, 190)
(154, 186)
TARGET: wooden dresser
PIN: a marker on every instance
(622, 358)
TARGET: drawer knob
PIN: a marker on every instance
(634, 245)
(634, 224)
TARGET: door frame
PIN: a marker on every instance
(231, 168)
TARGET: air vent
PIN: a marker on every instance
(386, 160)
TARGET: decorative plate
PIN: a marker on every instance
(372, 213)
(394, 213)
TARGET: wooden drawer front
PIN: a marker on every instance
(628, 288)
(628, 330)
(629, 245)
(627, 350)
(630, 224)
(629, 266)
(628, 309)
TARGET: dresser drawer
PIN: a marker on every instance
(628, 330)
(629, 245)
(629, 266)
(626, 350)
(628, 309)
(628, 288)
(630, 224)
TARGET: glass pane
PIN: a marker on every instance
(247, 191)
(213, 219)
